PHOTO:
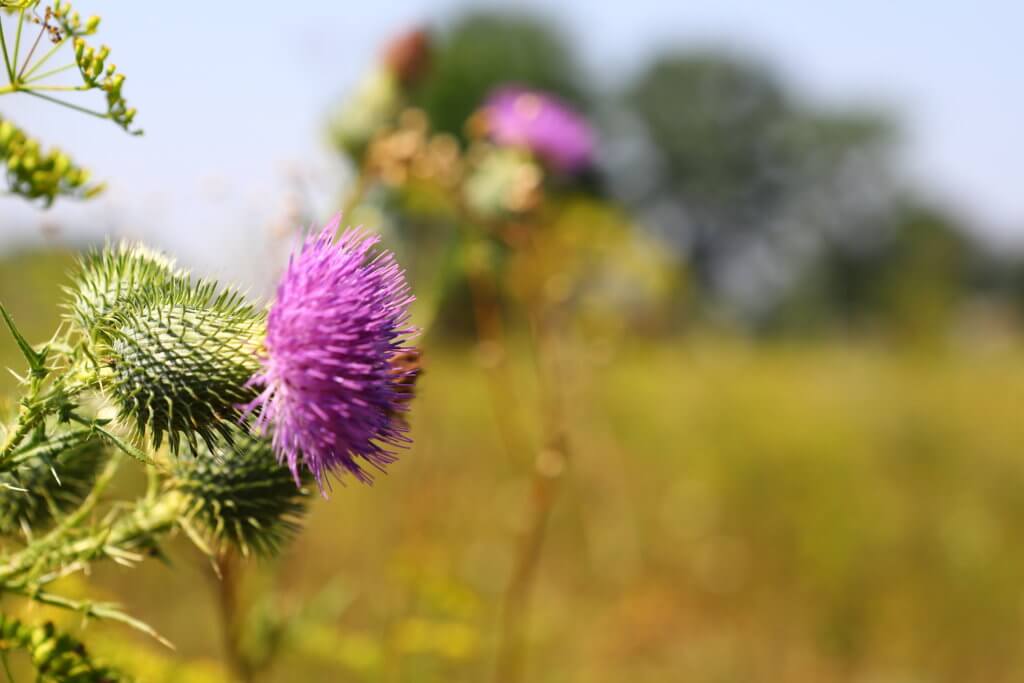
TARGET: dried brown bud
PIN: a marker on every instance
(408, 56)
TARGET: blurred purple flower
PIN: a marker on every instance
(330, 391)
(542, 123)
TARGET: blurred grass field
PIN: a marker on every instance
(734, 511)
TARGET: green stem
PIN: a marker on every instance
(32, 51)
(45, 58)
(17, 44)
(53, 88)
(547, 476)
(7, 60)
(51, 72)
(29, 556)
(90, 112)
(144, 521)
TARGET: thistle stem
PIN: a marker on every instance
(228, 580)
(548, 473)
(491, 338)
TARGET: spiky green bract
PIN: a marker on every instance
(177, 360)
(105, 278)
(241, 496)
(56, 478)
(57, 657)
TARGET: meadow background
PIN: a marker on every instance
(795, 369)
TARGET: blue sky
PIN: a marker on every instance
(233, 103)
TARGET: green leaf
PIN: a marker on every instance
(36, 360)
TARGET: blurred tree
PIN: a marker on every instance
(485, 49)
(748, 177)
(911, 280)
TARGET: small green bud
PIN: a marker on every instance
(240, 495)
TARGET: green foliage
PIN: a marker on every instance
(53, 480)
(180, 357)
(241, 496)
(484, 50)
(32, 173)
(36, 173)
(57, 657)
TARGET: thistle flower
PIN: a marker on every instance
(330, 393)
(541, 123)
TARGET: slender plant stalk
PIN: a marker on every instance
(44, 59)
(7, 59)
(17, 44)
(228, 578)
(32, 51)
(69, 105)
(46, 74)
(548, 472)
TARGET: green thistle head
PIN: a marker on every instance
(53, 480)
(106, 278)
(240, 495)
(178, 358)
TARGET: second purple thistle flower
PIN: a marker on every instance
(541, 123)
(331, 394)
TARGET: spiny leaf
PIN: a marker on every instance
(36, 360)
(55, 477)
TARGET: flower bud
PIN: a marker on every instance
(241, 495)
(106, 278)
(180, 357)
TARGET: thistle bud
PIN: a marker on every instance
(104, 279)
(180, 358)
(240, 495)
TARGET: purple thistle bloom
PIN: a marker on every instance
(330, 391)
(543, 124)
